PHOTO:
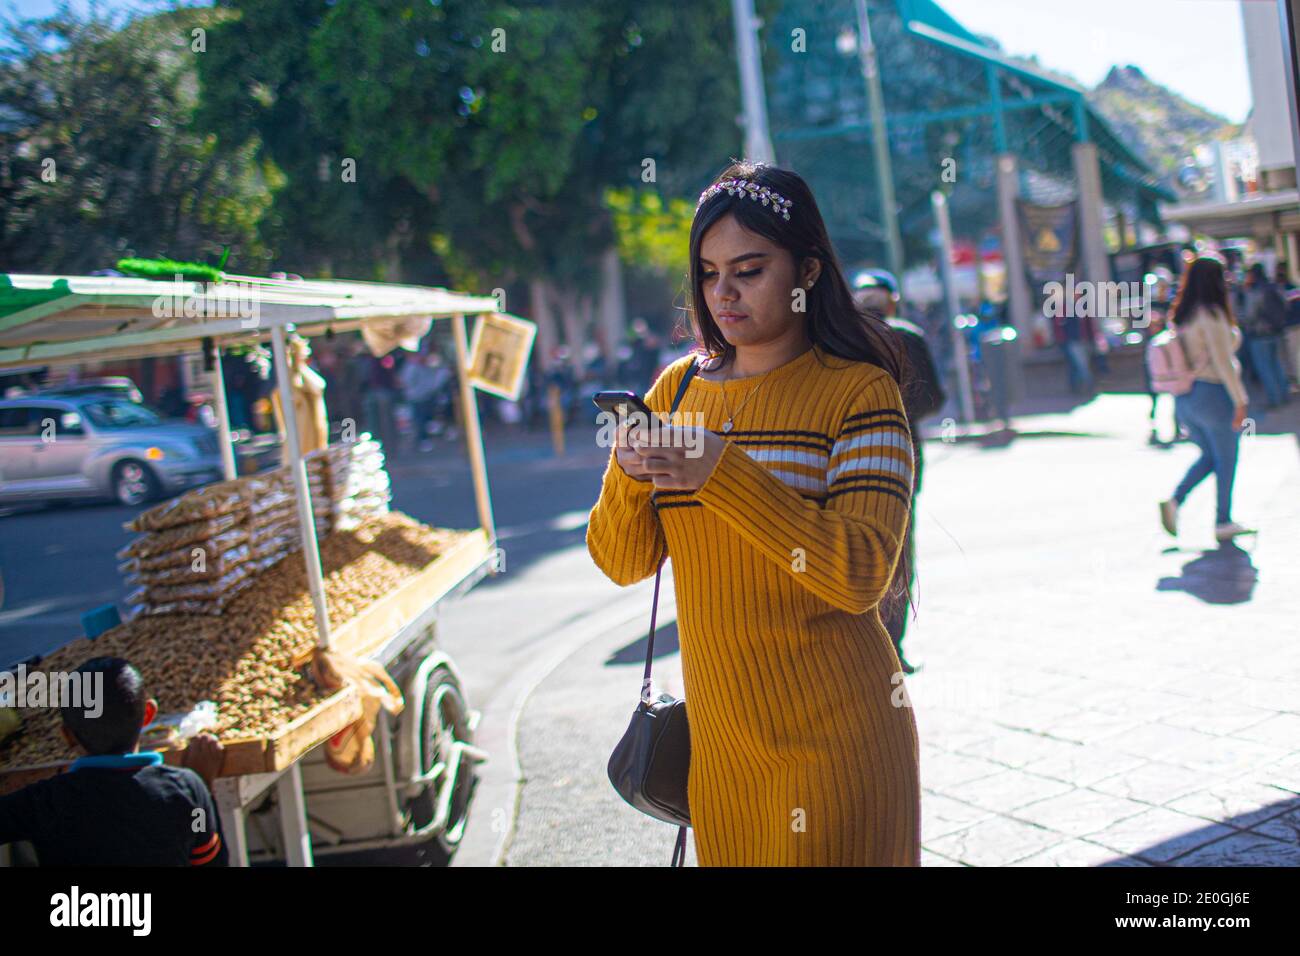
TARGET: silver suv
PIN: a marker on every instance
(100, 444)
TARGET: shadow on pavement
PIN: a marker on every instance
(1225, 575)
(1260, 837)
(665, 646)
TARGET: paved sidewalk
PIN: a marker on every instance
(1090, 692)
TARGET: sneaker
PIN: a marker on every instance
(1169, 516)
(1229, 530)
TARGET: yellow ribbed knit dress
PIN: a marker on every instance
(801, 753)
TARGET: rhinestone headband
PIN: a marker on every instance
(751, 189)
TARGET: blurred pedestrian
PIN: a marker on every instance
(1072, 334)
(1264, 321)
(1291, 337)
(1214, 411)
(876, 291)
(381, 391)
(423, 377)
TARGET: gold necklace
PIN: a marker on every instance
(726, 426)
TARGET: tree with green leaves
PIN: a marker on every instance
(99, 154)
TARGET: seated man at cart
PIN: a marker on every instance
(117, 806)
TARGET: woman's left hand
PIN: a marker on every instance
(681, 459)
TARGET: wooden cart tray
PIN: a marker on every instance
(269, 754)
(378, 623)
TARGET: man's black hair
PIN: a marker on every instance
(1257, 270)
(116, 728)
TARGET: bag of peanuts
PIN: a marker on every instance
(214, 550)
(160, 542)
(198, 505)
(197, 590)
(194, 571)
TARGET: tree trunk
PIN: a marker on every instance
(540, 300)
(613, 308)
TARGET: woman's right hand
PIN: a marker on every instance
(629, 459)
(1239, 418)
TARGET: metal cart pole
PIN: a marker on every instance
(298, 468)
(223, 414)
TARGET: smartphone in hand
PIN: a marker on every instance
(626, 407)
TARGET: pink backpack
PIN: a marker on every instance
(1167, 365)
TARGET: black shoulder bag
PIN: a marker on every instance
(649, 766)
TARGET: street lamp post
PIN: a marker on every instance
(880, 140)
(758, 143)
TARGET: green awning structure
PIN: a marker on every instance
(48, 320)
(953, 101)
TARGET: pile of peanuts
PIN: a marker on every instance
(242, 660)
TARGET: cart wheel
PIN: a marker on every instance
(446, 719)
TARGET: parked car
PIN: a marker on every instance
(59, 445)
(117, 385)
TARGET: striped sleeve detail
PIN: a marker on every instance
(873, 451)
(206, 853)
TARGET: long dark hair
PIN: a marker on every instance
(835, 322)
(1202, 284)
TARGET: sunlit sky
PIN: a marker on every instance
(1192, 46)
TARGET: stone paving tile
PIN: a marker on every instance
(942, 815)
(1085, 766)
(1016, 748)
(996, 841)
(1285, 828)
(1139, 704)
(1282, 730)
(1225, 756)
(1219, 717)
(934, 859)
(1079, 853)
(1155, 783)
(1090, 726)
(1003, 792)
(953, 770)
(1159, 835)
(1155, 741)
(1271, 694)
(1032, 714)
(1284, 773)
(1202, 685)
(1079, 812)
(1243, 849)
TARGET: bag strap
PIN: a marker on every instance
(654, 607)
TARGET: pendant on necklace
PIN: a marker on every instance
(726, 426)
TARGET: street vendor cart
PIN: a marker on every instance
(279, 795)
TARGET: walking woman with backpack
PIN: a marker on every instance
(1213, 409)
(785, 515)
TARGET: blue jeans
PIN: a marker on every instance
(1076, 363)
(1266, 356)
(1207, 411)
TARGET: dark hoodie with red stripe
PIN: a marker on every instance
(121, 810)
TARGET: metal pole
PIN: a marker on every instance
(473, 436)
(880, 141)
(758, 142)
(939, 203)
(298, 469)
(223, 415)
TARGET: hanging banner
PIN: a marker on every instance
(499, 353)
(1049, 235)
